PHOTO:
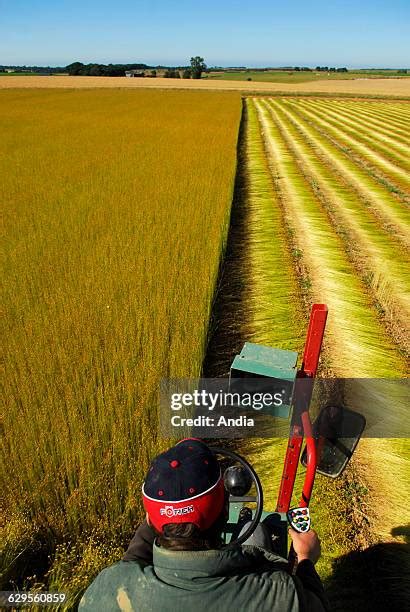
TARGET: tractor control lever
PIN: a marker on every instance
(299, 519)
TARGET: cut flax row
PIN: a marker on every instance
(380, 259)
(380, 125)
(276, 317)
(393, 213)
(379, 139)
(397, 113)
(395, 175)
(360, 343)
(275, 306)
(279, 319)
(392, 113)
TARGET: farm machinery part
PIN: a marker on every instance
(327, 449)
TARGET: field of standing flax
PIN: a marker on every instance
(116, 209)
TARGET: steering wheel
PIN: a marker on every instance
(257, 499)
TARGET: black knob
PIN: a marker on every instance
(237, 480)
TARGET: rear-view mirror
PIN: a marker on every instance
(337, 431)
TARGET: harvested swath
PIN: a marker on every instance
(276, 315)
(383, 134)
(275, 308)
(360, 133)
(322, 252)
(397, 108)
(353, 139)
(378, 112)
(396, 175)
(381, 125)
(387, 471)
(387, 269)
(359, 342)
(398, 114)
(359, 129)
(393, 214)
(278, 318)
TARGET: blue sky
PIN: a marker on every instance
(353, 33)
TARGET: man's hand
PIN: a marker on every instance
(306, 545)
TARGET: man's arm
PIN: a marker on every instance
(307, 548)
(140, 547)
(314, 593)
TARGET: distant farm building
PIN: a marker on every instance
(134, 73)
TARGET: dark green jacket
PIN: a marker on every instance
(246, 578)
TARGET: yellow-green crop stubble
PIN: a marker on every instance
(116, 208)
(331, 199)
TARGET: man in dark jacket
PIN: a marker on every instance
(176, 561)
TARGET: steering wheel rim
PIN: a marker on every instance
(258, 498)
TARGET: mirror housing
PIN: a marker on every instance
(337, 431)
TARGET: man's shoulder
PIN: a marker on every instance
(264, 557)
(122, 568)
(110, 584)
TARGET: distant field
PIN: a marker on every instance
(365, 86)
(287, 76)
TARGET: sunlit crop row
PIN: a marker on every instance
(379, 257)
(348, 226)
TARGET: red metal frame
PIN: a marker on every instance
(313, 345)
(301, 424)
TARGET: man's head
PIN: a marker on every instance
(184, 496)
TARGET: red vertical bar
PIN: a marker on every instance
(311, 461)
(302, 398)
(314, 339)
(289, 469)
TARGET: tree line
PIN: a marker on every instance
(194, 70)
(80, 69)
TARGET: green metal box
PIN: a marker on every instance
(272, 370)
